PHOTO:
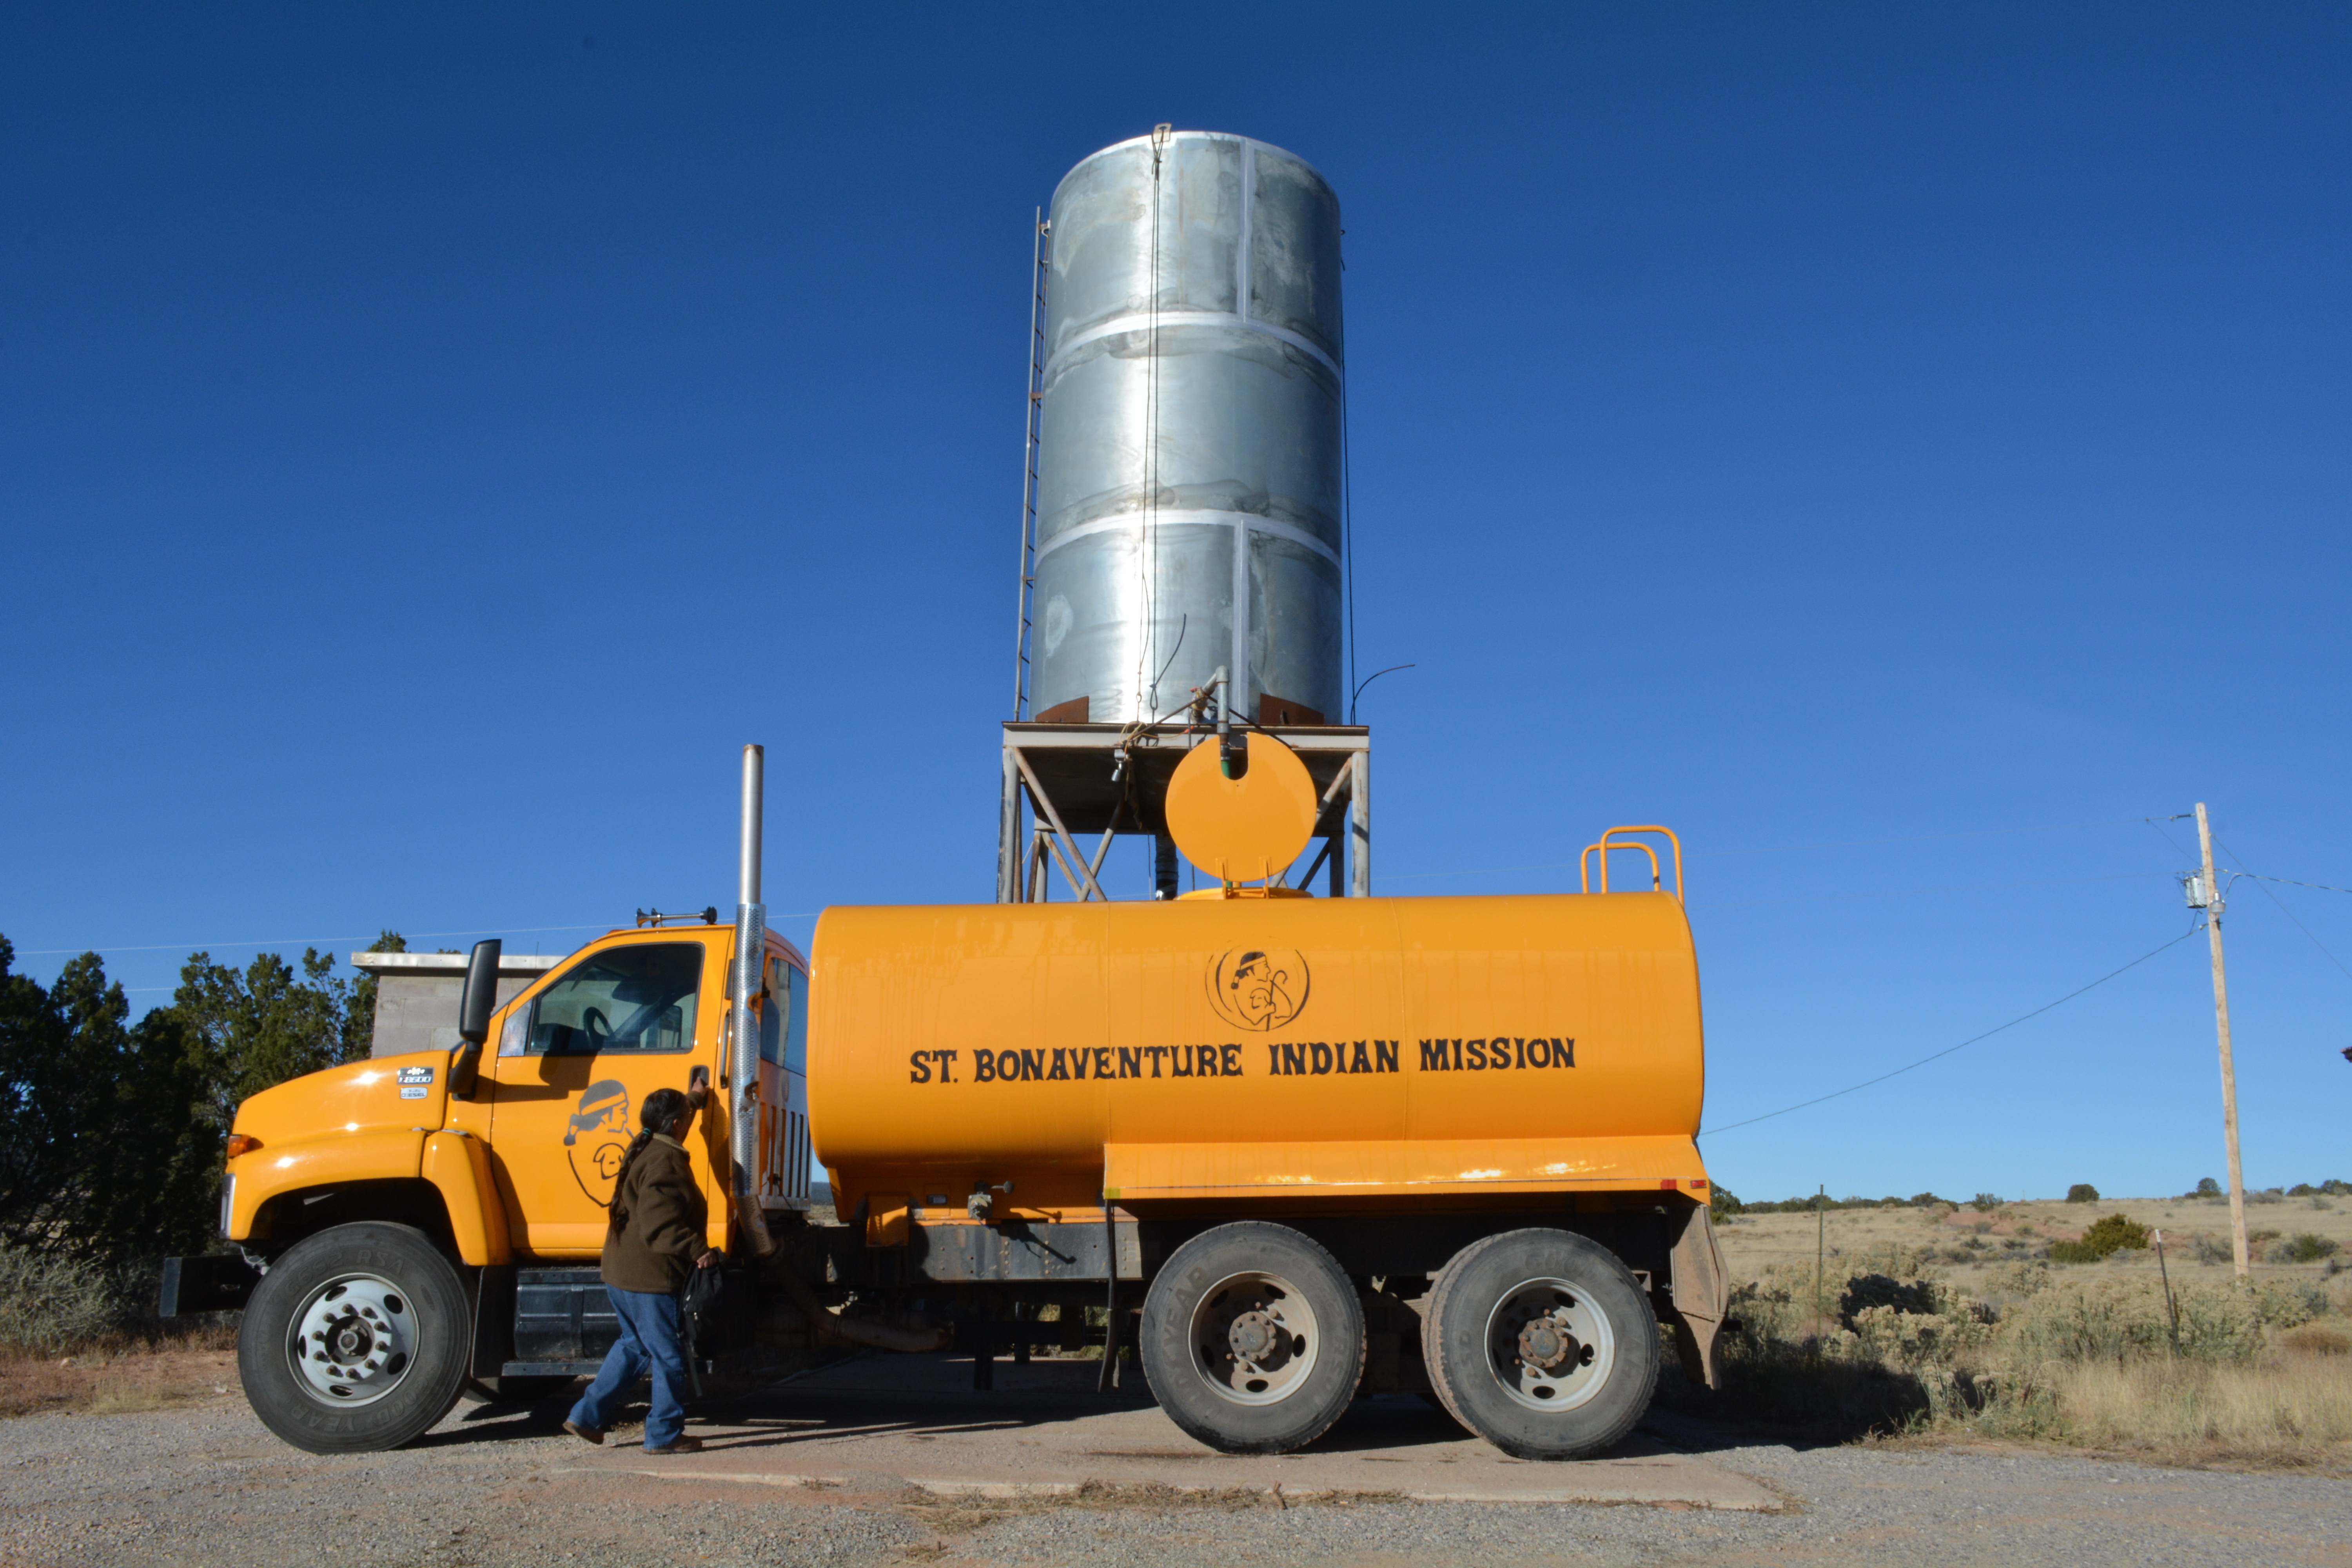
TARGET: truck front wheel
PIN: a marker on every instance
(1542, 1344)
(1253, 1339)
(356, 1339)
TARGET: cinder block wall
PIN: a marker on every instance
(418, 994)
(419, 1013)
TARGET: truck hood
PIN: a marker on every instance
(382, 1094)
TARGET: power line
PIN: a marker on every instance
(320, 941)
(2287, 881)
(1787, 848)
(286, 942)
(2289, 913)
(1948, 1050)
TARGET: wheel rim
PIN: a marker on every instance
(1254, 1338)
(1548, 1347)
(354, 1341)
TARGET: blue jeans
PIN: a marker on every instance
(649, 1337)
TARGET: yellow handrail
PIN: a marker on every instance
(1584, 861)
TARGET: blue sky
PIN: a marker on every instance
(1902, 448)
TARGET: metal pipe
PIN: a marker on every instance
(748, 982)
(1359, 826)
(1107, 1375)
(1008, 837)
(748, 878)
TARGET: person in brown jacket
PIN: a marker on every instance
(655, 1241)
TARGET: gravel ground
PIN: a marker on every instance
(206, 1484)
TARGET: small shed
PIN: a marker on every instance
(416, 994)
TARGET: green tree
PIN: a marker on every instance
(256, 1027)
(104, 1149)
(2082, 1192)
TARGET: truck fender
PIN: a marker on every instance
(458, 1166)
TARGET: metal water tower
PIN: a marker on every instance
(1183, 510)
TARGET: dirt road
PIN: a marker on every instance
(900, 1462)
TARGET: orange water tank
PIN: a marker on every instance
(1255, 1050)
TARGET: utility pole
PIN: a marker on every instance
(2212, 906)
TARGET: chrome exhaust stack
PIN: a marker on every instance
(745, 988)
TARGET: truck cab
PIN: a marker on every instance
(413, 1224)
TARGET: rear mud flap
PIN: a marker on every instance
(1702, 1296)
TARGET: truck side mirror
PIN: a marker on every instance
(475, 1004)
(480, 998)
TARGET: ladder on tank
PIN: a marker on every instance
(1041, 269)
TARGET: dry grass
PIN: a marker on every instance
(122, 1378)
(1964, 1245)
(2004, 1346)
(2291, 1410)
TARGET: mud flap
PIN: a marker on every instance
(1702, 1295)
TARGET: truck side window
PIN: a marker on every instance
(640, 997)
(783, 1018)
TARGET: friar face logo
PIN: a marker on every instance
(1259, 987)
(597, 1138)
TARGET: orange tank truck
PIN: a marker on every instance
(1276, 1152)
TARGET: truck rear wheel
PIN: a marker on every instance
(1253, 1339)
(1542, 1344)
(356, 1339)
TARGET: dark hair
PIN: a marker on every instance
(661, 1108)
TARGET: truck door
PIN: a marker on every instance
(573, 1067)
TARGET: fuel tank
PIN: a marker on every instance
(1411, 1052)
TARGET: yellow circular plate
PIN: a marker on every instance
(1247, 829)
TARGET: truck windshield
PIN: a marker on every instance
(640, 997)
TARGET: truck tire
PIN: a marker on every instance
(356, 1339)
(1541, 1342)
(1252, 1338)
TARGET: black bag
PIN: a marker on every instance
(697, 1299)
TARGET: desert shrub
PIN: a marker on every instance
(2335, 1188)
(2022, 1277)
(2302, 1190)
(2207, 1187)
(2115, 1233)
(2317, 1339)
(2208, 1250)
(2285, 1303)
(1864, 1291)
(1722, 1202)
(1985, 1203)
(2123, 1320)
(2082, 1192)
(2111, 1234)
(1918, 1342)
(51, 1304)
(2304, 1248)
(2267, 1196)
(1930, 1201)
